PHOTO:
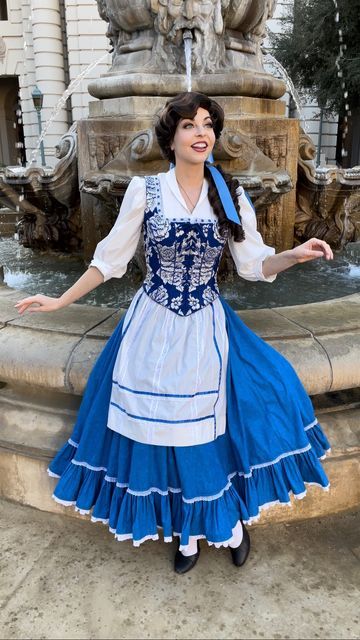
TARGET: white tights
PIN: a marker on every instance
(191, 548)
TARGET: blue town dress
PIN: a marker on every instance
(189, 421)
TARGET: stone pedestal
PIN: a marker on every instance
(259, 145)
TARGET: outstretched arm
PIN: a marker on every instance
(255, 260)
(111, 256)
(88, 281)
(309, 250)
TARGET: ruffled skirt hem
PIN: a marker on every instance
(138, 515)
(223, 543)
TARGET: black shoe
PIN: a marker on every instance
(183, 563)
(239, 554)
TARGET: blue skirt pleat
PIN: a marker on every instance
(270, 450)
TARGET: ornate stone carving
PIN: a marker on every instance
(48, 200)
(147, 38)
(204, 20)
(103, 149)
(140, 154)
(328, 200)
(274, 147)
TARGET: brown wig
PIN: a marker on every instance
(186, 105)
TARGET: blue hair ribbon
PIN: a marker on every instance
(224, 194)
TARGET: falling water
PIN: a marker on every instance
(338, 64)
(61, 103)
(188, 48)
(290, 85)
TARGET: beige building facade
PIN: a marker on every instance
(45, 44)
(48, 45)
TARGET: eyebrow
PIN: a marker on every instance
(192, 119)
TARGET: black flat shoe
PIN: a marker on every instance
(239, 554)
(183, 563)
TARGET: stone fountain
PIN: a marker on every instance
(45, 359)
(259, 144)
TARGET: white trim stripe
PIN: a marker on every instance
(52, 474)
(275, 461)
(88, 466)
(165, 492)
(136, 543)
(311, 425)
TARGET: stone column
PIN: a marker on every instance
(49, 67)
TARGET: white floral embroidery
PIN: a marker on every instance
(202, 268)
(191, 244)
(160, 295)
(194, 303)
(149, 281)
(152, 193)
(217, 234)
(176, 303)
(171, 269)
(159, 227)
(209, 295)
(150, 202)
(182, 257)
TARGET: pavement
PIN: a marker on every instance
(68, 578)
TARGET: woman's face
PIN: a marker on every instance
(194, 139)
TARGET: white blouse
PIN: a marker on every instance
(115, 251)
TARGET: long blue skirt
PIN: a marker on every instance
(271, 449)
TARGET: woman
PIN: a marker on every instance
(190, 422)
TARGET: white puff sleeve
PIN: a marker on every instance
(249, 254)
(114, 252)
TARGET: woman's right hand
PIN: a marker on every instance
(43, 303)
(87, 282)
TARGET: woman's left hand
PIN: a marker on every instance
(312, 249)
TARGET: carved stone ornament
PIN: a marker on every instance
(327, 200)
(140, 155)
(2, 48)
(47, 198)
(149, 59)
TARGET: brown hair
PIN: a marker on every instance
(186, 105)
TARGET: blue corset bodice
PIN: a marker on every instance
(182, 257)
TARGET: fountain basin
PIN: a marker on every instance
(56, 351)
(45, 360)
(52, 274)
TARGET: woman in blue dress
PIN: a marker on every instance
(190, 423)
